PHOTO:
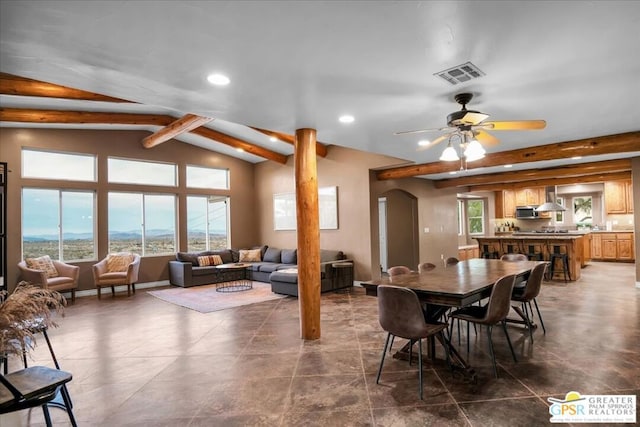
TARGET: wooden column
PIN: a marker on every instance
(308, 223)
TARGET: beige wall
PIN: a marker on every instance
(122, 144)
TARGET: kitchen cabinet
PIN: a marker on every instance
(613, 247)
(468, 252)
(529, 197)
(586, 249)
(505, 204)
(596, 246)
(618, 197)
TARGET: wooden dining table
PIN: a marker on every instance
(456, 285)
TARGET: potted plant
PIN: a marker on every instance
(25, 312)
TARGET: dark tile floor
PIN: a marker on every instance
(140, 361)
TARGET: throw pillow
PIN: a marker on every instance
(42, 263)
(118, 263)
(250, 255)
(207, 260)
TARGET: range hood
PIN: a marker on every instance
(550, 204)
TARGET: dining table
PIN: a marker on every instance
(457, 285)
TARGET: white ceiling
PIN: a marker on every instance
(303, 64)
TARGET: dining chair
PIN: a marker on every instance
(514, 257)
(397, 270)
(400, 315)
(529, 293)
(451, 261)
(33, 387)
(424, 267)
(492, 313)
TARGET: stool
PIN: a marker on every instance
(564, 258)
(532, 255)
(487, 254)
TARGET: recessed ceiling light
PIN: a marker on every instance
(346, 119)
(239, 150)
(576, 157)
(273, 139)
(453, 173)
(424, 142)
(218, 79)
(508, 166)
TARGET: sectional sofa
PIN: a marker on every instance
(276, 266)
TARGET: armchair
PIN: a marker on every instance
(117, 269)
(65, 280)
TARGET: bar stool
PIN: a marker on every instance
(563, 258)
(532, 255)
(487, 253)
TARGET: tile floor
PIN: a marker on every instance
(140, 361)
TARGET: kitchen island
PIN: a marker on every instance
(540, 246)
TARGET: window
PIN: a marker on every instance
(199, 177)
(58, 223)
(207, 223)
(63, 166)
(582, 210)
(475, 216)
(138, 172)
(142, 223)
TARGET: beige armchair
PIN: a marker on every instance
(107, 273)
(67, 279)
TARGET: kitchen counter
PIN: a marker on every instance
(542, 245)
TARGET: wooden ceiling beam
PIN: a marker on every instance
(240, 144)
(577, 170)
(183, 124)
(321, 148)
(20, 86)
(620, 143)
(601, 177)
(78, 117)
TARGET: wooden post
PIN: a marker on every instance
(308, 223)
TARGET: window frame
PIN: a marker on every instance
(74, 178)
(110, 178)
(204, 168)
(482, 217)
(227, 202)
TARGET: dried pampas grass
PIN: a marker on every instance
(26, 311)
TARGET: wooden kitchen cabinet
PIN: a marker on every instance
(586, 249)
(505, 204)
(613, 247)
(596, 246)
(528, 197)
(624, 247)
(618, 197)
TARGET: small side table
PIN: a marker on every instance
(344, 276)
(242, 284)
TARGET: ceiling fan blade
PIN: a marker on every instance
(515, 125)
(406, 132)
(434, 142)
(485, 138)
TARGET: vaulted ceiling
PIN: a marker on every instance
(304, 64)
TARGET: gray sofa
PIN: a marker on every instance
(277, 266)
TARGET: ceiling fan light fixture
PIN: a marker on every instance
(449, 154)
(474, 151)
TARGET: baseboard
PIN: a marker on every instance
(123, 288)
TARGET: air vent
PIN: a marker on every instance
(461, 73)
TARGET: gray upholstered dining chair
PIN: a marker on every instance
(400, 315)
(397, 270)
(514, 257)
(528, 293)
(494, 312)
(451, 261)
(423, 267)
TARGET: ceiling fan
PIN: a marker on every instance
(471, 125)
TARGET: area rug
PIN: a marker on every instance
(206, 299)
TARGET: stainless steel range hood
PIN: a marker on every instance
(550, 204)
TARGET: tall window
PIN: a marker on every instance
(460, 217)
(62, 166)
(475, 216)
(58, 223)
(142, 223)
(138, 172)
(207, 223)
(199, 177)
